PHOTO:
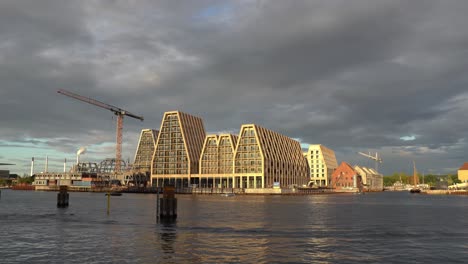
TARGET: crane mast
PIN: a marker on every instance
(376, 158)
(119, 112)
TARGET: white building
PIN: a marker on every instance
(322, 163)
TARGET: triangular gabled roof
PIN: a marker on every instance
(464, 166)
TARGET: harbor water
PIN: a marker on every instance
(388, 227)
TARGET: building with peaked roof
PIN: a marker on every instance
(178, 147)
(217, 161)
(345, 177)
(257, 158)
(145, 150)
(463, 172)
(264, 158)
(322, 162)
(371, 179)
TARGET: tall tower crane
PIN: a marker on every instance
(120, 113)
(376, 158)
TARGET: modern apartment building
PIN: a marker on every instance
(257, 158)
(264, 158)
(322, 162)
(217, 161)
(178, 147)
(145, 150)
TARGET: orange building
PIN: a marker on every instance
(345, 177)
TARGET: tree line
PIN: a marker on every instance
(18, 180)
(429, 179)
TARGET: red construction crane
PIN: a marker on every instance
(120, 113)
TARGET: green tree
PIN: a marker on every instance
(27, 180)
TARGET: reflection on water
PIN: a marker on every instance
(168, 236)
(372, 228)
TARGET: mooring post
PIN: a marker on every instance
(168, 204)
(63, 196)
(157, 203)
(108, 202)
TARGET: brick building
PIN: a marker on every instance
(345, 177)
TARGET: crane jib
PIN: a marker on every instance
(117, 111)
(114, 109)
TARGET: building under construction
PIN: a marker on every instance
(84, 176)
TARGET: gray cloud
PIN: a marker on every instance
(353, 75)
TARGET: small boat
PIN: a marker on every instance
(415, 190)
(114, 194)
(228, 194)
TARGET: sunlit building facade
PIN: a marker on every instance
(178, 147)
(322, 162)
(346, 178)
(463, 172)
(217, 161)
(257, 158)
(371, 179)
(145, 150)
(264, 158)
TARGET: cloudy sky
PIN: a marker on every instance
(354, 75)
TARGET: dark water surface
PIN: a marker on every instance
(371, 228)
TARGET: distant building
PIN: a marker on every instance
(322, 162)
(371, 179)
(463, 172)
(4, 174)
(177, 153)
(145, 150)
(345, 177)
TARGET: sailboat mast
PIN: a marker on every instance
(415, 174)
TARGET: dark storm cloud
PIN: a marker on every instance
(353, 75)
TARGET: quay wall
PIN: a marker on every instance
(446, 192)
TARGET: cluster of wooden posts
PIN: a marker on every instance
(63, 196)
(166, 207)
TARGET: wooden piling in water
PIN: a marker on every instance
(168, 203)
(63, 196)
(108, 202)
